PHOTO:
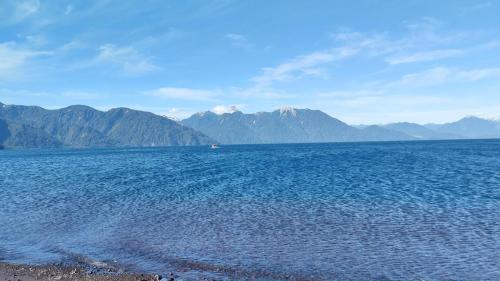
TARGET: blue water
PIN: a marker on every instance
(365, 211)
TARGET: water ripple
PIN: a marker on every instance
(368, 211)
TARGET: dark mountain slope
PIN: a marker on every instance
(83, 126)
(13, 134)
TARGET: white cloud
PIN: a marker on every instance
(422, 44)
(479, 74)
(239, 40)
(428, 77)
(426, 56)
(424, 40)
(36, 40)
(306, 65)
(371, 45)
(126, 58)
(176, 113)
(221, 109)
(71, 45)
(23, 9)
(184, 94)
(442, 75)
(14, 59)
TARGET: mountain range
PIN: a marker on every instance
(290, 125)
(83, 126)
(287, 125)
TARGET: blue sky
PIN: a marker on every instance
(360, 61)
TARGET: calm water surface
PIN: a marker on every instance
(366, 211)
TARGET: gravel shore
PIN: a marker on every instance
(13, 272)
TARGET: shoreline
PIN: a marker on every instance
(26, 272)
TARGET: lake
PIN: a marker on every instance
(340, 211)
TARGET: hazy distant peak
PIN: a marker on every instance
(473, 120)
(372, 127)
(236, 112)
(204, 113)
(78, 108)
(126, 110)
(402, 123)
(471, 117)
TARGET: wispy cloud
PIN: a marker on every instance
(440, 54)
(14, 59)
(68, 9)
(348, 94)
(422, 43)
(127, 58)
(23, 94)
(36, 40)
(442, 75)
(23, 9)
(372, 45)
(71, 46)
(184, 94)
(239, 40)
(482, 5)
(306, 65)
(348, 45)
(479, 74)
(433, 55)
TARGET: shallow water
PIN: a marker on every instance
(378, 211)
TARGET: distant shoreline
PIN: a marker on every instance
(17, 148)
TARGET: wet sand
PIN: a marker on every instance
(13, 272)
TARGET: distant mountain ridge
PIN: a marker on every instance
(470, 127)
(287, 125)
(290, 125)
(421, 132)
(83, 126)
